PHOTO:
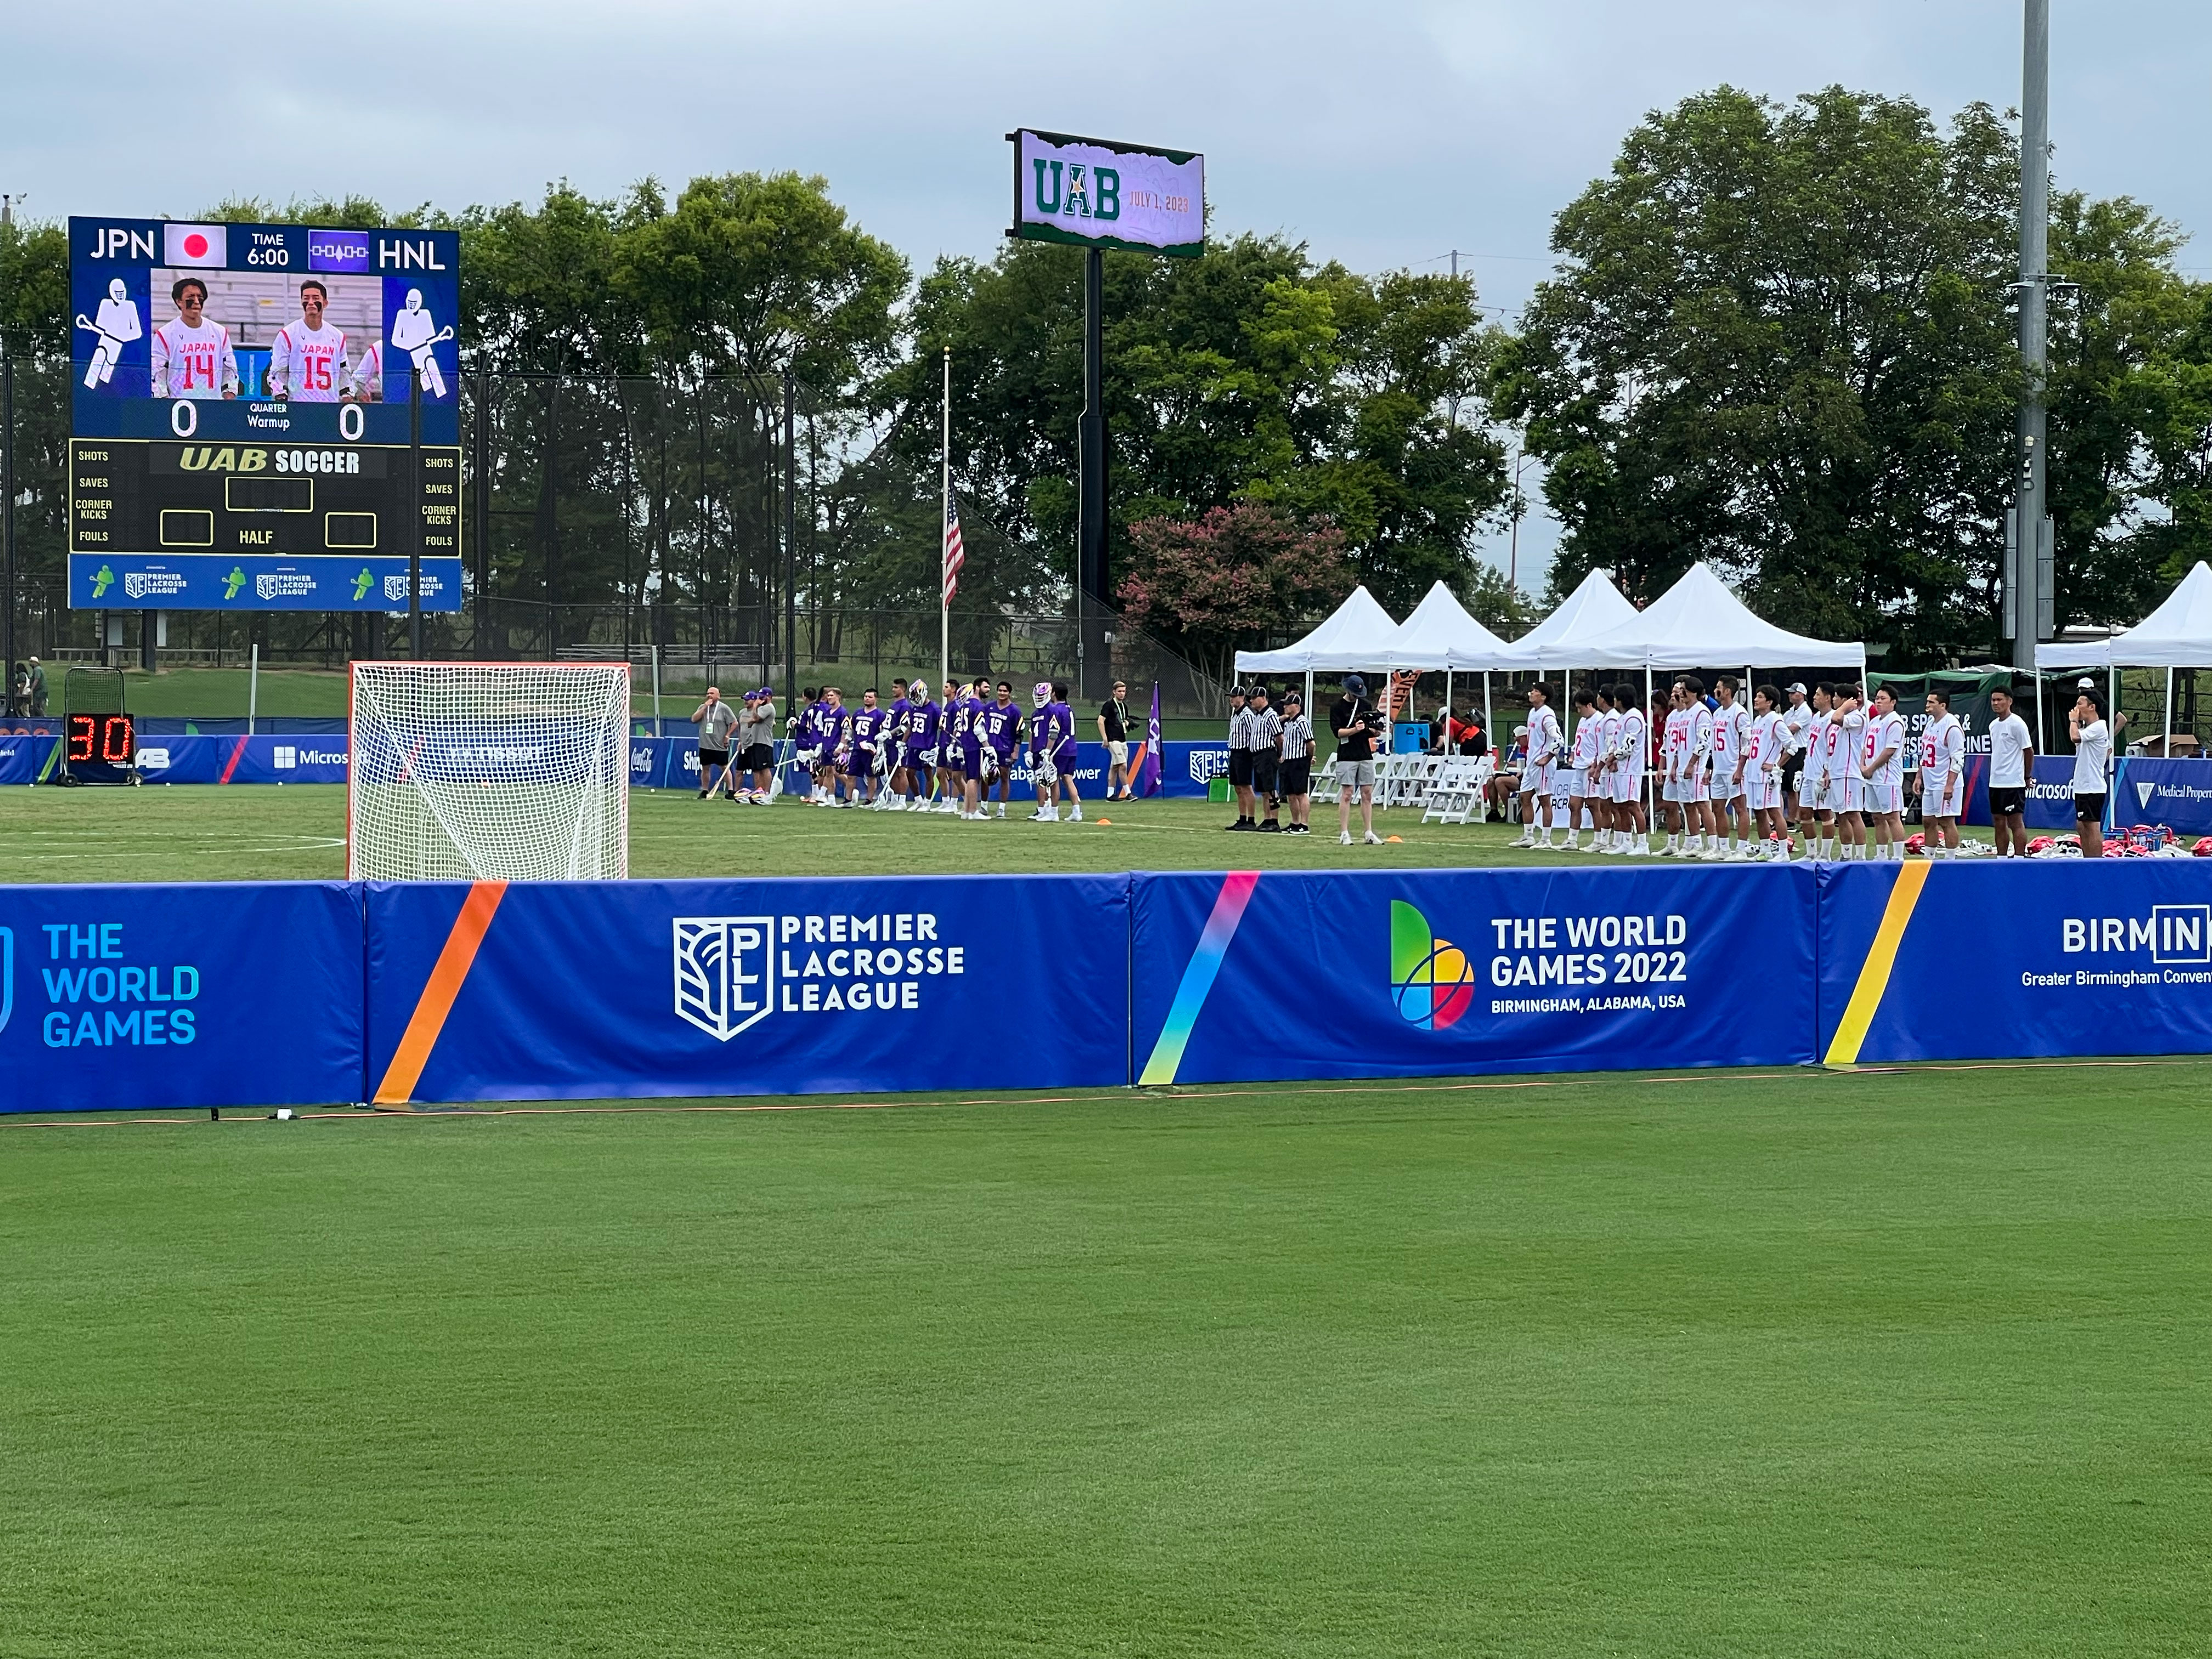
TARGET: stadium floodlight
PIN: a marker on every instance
(488, 771)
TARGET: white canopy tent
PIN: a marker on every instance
(1358, 635)
(1440, 634)
(1698, 622)
(2178, 634)
(1595, 607)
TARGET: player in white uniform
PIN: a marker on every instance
(365, 385)
(1760, 767)
(1582, 759)
(1847, 787)
(1883, 769)
(1611, 831)
(1698, 801)
(192, 357)
(1816, 816)
(117, 326)
(307, 359)
(1536, 779)
(1673, 750)
(1629, 746)
(1943, 776)
(1731, 726)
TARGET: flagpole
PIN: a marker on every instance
(944, 531)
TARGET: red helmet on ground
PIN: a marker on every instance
(1915, 843)
(2203, 849)
(2042, 844)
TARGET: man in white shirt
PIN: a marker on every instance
(192, 356)
(366, 383)
(1536, 777)
(307, 360)
(2012, 769)
(1883, 770)
(1705, 841)
(2092, 756)
(1943, 776)
(1796, 721)
(1731, 726)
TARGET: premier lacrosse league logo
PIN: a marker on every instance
(725, 972)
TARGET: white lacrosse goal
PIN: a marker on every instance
(477, 771)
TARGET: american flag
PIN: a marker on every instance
(954, 556)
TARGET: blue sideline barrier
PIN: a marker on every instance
(306, 993)
(26, 760)
(1450, 972)
(2064, 958)
(579, 990)
(157, 995)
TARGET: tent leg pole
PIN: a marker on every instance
(2166, 735)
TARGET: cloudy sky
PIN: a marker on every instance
(1382, 134)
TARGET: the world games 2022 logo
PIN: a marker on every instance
(1431, 978)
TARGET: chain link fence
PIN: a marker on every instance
(689, 530)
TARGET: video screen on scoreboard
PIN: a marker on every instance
(241, 412)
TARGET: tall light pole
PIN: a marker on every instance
(2030, 567)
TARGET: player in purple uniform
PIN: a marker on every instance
(805, 742)
(1002, 731)
(863, 743)
(1062, 718)
(834, 722)
(893, 793)
(920, 745)
(950, 785)
(975, 750)
(1045, 743)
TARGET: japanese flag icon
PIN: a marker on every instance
(195, 245)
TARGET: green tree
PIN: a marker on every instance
(1781, 344)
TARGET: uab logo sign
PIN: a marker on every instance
(1074, 191)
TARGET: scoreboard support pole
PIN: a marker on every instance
(415, 514)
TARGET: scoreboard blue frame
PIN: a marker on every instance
(147, 532)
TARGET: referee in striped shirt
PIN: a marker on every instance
(1295, 780)
(1266, 742)
(1240, 758)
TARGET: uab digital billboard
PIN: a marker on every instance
(1095, 193)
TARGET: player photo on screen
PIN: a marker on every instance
(259, 334)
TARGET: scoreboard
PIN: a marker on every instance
(241, 416)
(180, 526)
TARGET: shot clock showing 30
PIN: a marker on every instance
(240, 415)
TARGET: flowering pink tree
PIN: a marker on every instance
(1211, 586)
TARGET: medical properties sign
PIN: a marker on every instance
(1096, 193)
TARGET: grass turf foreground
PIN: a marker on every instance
(1903, 1364)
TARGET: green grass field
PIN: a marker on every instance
(193, 832)
(1896, 1364)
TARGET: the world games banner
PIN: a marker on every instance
(1248, 977)
(1096, 193)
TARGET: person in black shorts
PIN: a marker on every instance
(1264, 746)
(1294, 779)
(1240, 759)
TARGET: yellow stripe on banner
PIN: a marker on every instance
(1880, 958)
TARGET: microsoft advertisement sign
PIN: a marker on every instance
(1096, 193)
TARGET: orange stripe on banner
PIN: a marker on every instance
(437, 1000)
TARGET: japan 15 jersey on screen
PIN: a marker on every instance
(308, 364)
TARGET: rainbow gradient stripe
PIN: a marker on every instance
(1431, 979)
(1199, 975)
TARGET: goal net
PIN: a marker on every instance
(488, 771)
